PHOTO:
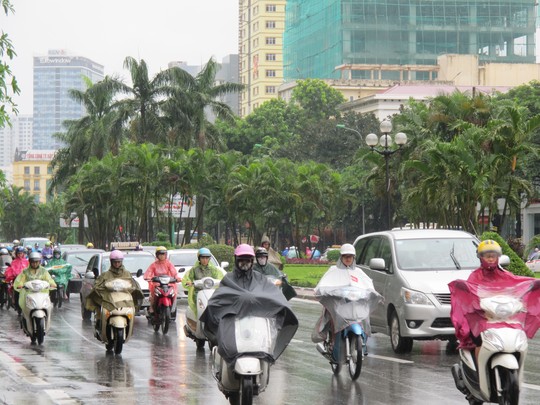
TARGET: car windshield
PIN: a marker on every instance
(80, 258)
(437, 254)
(180, 259)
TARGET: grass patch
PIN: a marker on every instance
(305, 275)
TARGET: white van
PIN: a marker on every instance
(411, 269)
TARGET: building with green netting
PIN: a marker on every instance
(323, 34)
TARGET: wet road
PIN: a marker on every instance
(72, 368)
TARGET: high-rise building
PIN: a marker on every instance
(193, 70)
(323, 34)
(228, 73)
(261, 25)
(14, 138)
(54, 75)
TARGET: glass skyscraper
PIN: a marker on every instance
(322, 34)
(54, 75)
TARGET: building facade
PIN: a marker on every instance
(228, 73)
(14, 138)
(261, 25)
(33, 172)
(54, 75)
(323, 34)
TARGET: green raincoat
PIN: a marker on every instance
(60, 269)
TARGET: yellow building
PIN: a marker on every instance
(32, 171)
(261, 26)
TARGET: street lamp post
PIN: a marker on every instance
(385, 141)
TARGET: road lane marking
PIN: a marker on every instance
(21, 370)
(531, 386)
(91, 341)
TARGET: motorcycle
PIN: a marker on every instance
(61, 275)
(37, 310)
(251, 329)
(504, 318)
(114, 323)
(347, 309)
(205, 288)
(164, 302)
(4, 298)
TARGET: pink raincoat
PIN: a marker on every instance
(469, 318)
(16, 268)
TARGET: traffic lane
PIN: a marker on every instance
(74, 366)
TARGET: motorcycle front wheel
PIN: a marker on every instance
(509, 386)
(166, 320)
(337, 363)
(118, 340)
(356, 355)
(39, 329)
(246, 393)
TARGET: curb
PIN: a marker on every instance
(305, 293)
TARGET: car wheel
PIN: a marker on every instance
(400, 344)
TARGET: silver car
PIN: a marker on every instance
(411, 269)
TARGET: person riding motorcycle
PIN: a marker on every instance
(161, 267)
(343, 273)
(18, 264)
(263, 266)
(489, 273)
(63, 275)
(35, 271)
(89, 245)
(101, 296)
(202, 268)
(273, 256)
(47, 250)
(5, 257)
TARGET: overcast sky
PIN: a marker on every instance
(106, 31)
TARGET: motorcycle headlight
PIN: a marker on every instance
(47, 304)
(208, 283)
(521, 342)
(490, 338)
(30, 302)
(415, 297)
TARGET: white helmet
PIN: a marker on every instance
(347, 249)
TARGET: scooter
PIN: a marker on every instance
(37, 311)
(61, 275)
(205, 288)
(4, 298)
(348, 307)
(114, 327)
(497, 373)
(164, 301)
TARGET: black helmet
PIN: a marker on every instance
(261, 252)
(57, 250)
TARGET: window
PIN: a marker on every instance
(270, 40)
(270, 8)
(36, 170)
(270, 24)
(270, 73)
(255, 91)
(36, 185)
(255, 42)
(27, 185)
(255, 10)
(49, 169)
(26, 169)
(256, 27)
(270, 56)
(270, 89)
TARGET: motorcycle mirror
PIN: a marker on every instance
(504, 261)
(224, 265)
(139, 272)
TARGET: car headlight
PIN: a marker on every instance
(415, 297)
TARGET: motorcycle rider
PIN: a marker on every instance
(5, 257)
(18, 264)
(489, 273)
(161, 267)
(47, 250)
(263, 266)
(89, 245)
(346, 262)
(202, 268)
(273, 256)
(65, 274)
(99, 292)
(35, 271)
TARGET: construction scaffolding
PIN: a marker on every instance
(323, 34)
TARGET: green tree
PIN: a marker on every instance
(8, 83)
(317, 99)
